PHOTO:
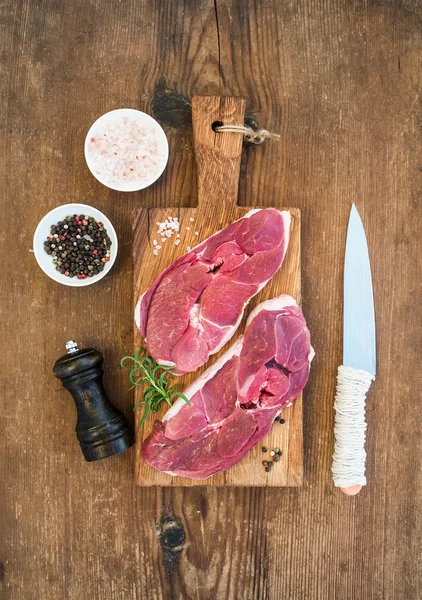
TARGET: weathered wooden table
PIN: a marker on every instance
(341, 82)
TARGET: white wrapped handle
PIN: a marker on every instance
(349, 458)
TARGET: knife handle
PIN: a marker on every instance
(349, 457)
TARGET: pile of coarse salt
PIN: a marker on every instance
(125, 151)
(165, 231)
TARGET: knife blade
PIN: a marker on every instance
(358, 317)
(354, 377)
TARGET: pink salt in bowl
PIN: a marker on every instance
(126, 150)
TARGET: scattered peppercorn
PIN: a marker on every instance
(276, 458)
(265, 463)
(277, 419)
(268, 469)
(282, 421)
(264, 449)
(82, 255)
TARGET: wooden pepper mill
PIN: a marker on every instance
(101, 428)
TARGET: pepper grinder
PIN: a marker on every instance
(101, 428)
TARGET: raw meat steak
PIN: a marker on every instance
(194, 307)
(234, 402)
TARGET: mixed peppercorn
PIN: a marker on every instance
(80, 246)
(275, 453)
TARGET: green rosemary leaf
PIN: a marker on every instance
(164, 379)
(129, 389)
(124, 359)
(174, 387)
(144, 416)
(148, 397)
(182, 396)
(147, 362)
(138, 404)
(155, 370)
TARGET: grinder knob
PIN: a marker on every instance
(101, 428)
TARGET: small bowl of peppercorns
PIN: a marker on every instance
(75, 244)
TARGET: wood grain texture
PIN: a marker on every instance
(218, 161)
(340, 81)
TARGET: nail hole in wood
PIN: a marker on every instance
(172, 535)
(216, 124)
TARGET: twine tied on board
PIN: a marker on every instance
(250, 135)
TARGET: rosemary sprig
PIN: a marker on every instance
(157, 380)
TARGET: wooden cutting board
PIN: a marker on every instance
(218, 162)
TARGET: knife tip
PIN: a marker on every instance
(354, 216)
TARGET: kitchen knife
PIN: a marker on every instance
(355, 376)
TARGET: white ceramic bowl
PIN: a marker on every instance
(142, 119)
(45, 260)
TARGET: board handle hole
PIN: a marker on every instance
(215, 125)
